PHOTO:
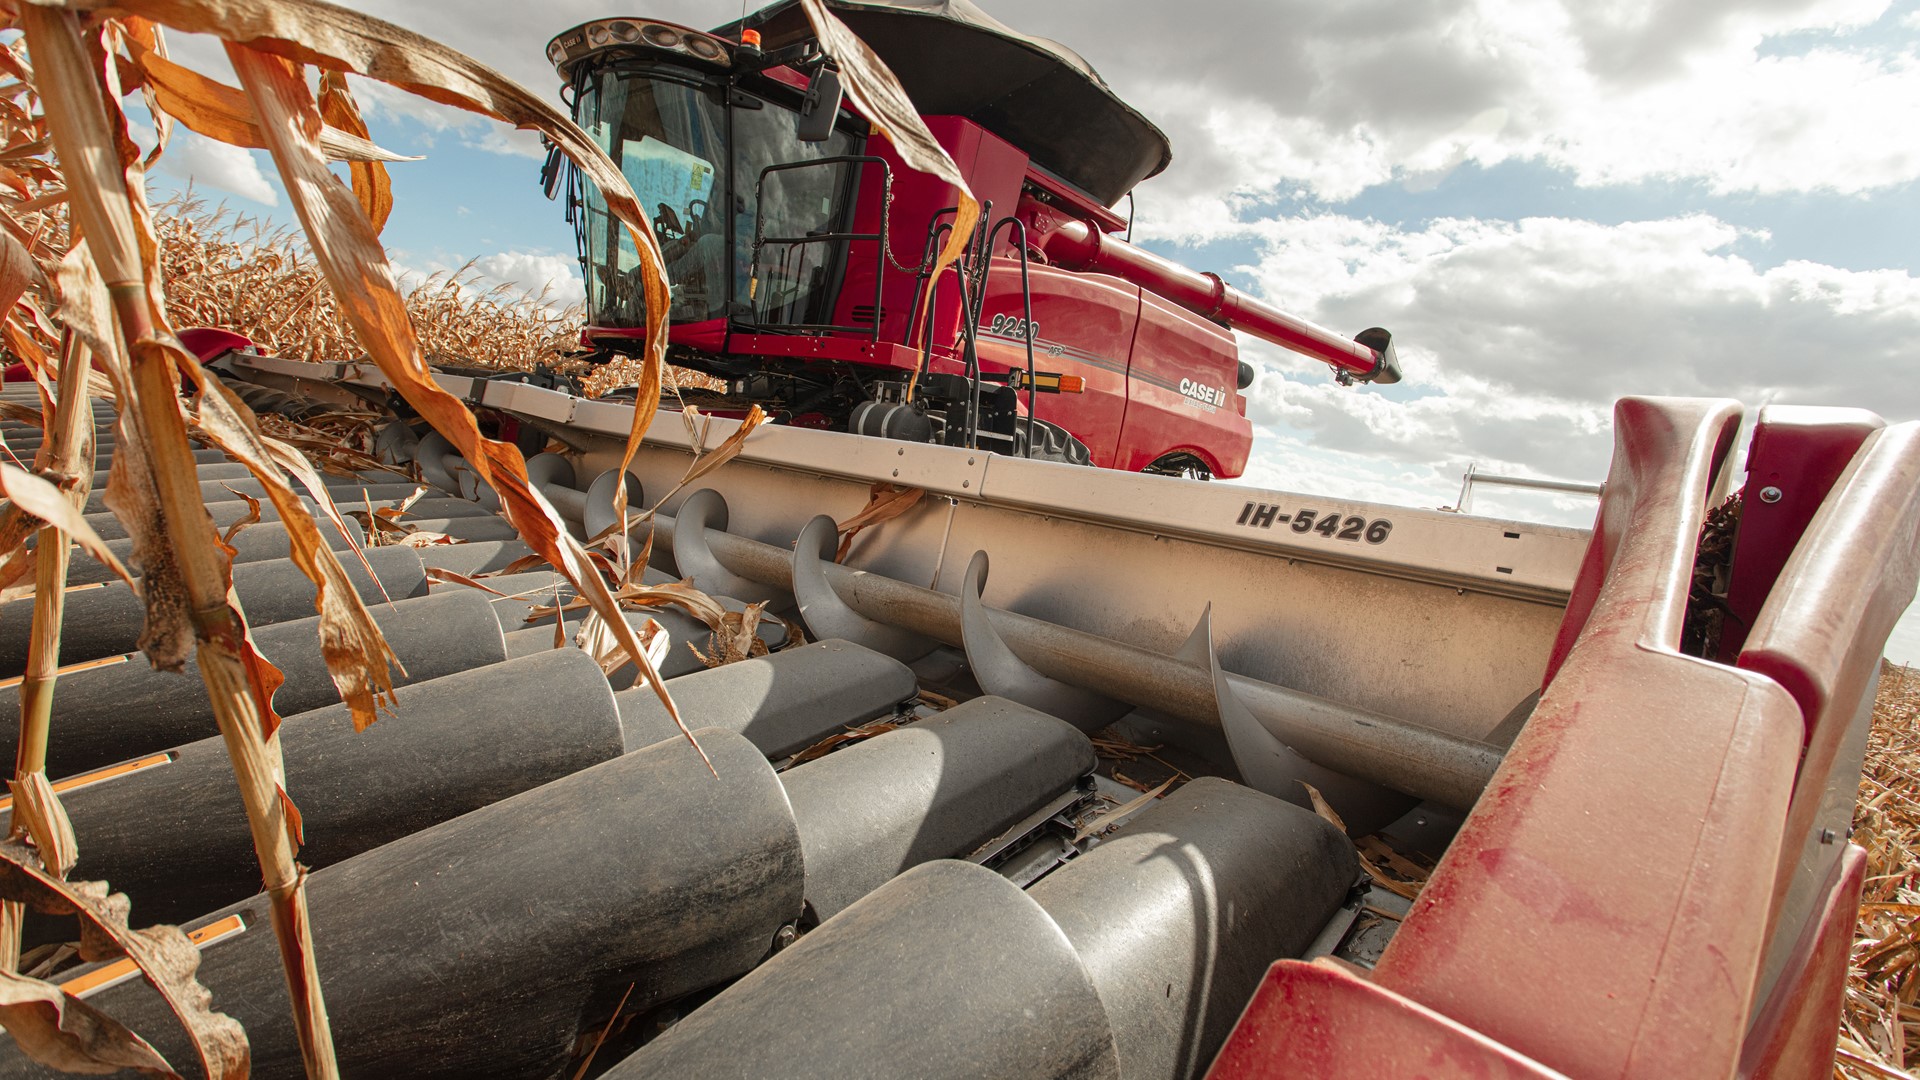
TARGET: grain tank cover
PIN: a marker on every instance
(956, 60)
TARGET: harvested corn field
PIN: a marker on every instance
(1881, 1031)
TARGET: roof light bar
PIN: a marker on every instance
(636, 36)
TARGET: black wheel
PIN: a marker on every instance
(1183, 465)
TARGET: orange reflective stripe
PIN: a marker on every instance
(69, 669)
(120, 971)
(98, 776)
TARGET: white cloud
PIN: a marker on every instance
(1295, 94)
(557, 276)
(207, 163)
(1280, 95)
(1517, 338)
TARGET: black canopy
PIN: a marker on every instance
(956, 60)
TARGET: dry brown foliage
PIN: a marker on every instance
(1880, 1031)
(236, 272)
(229, 270)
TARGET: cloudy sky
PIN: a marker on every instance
(1551, 204)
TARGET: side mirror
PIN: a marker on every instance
(822, 106)
(550, 173)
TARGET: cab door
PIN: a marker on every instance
(1083, 324)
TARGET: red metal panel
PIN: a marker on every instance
(1586, 915)
(851, 350)
(994, 169)
(1085, 327)
(1825, 624)
(1797, 454)
(1792, 1035)
(1320, 1020)
(1181, 383)
(1616, 514)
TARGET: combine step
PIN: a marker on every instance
(173, 835)
(486, 945)
(1132, 960)
(106, 714)
(106, 620)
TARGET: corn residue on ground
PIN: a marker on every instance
(1880, 1031)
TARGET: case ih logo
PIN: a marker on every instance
(1210, 396)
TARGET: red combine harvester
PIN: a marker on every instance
(799, 246)
(1360, 791)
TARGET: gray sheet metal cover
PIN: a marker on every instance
(949, 971)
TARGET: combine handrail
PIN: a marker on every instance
(760, 239)
(1473, 476)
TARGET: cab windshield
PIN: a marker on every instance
(695, 162)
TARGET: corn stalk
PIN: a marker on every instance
(66, 460)
(108, 213)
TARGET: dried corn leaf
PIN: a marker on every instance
(441, 573)
(828, 745)
(356, 654)
(37, 813)
(1408, 889)
(596, 641)
(44, 501)
(737, 638)
(345, 247)
(1322, 807)
(163, 955)
(11, 410)
(252, 517)
(68, 1034)
(138, 33)
(17, 270)
(711, 460)
(884, 503)
(220, 112)
(370, 182)
(1106, 821)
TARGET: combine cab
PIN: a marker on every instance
(800, 248)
